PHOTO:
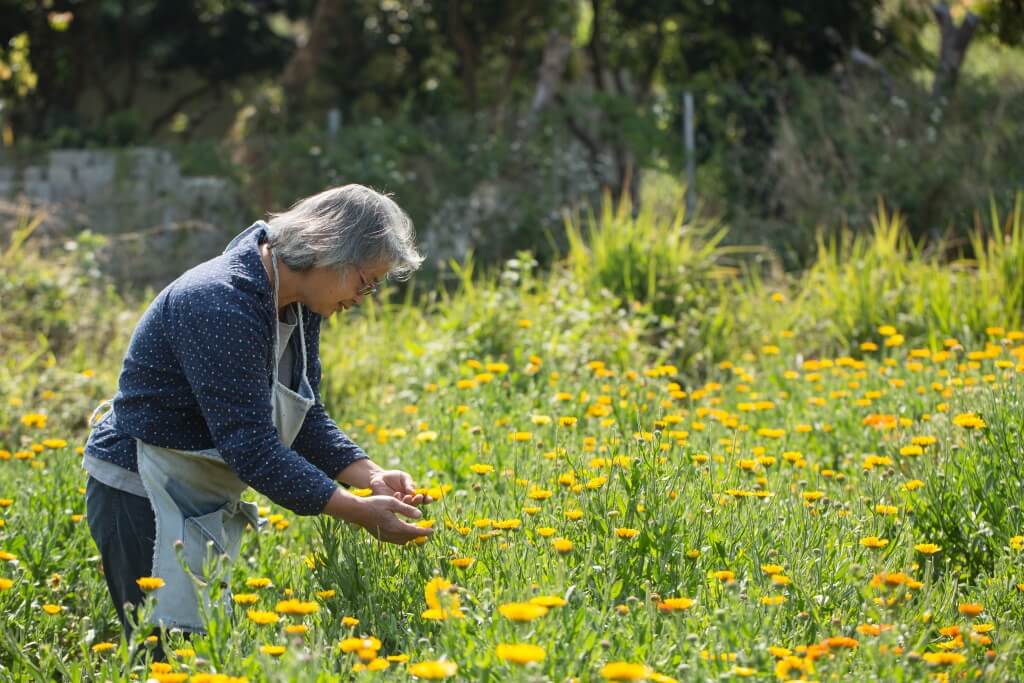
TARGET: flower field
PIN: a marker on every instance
(706, 477)
(852, 517)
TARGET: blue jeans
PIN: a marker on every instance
(124, 528)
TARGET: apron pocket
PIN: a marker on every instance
(199, 531)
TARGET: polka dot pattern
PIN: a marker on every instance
(197, 375)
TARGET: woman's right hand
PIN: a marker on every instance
(378, 515)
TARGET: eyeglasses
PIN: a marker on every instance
(366, 288)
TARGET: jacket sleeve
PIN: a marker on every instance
(320, 440)
(219, 335)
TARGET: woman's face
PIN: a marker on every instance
(328, 290)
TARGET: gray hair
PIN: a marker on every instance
(346, 226)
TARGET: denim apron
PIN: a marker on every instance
(196, 497)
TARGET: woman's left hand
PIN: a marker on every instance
(397, 484)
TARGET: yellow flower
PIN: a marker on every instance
(522, 611)
(245, 598)
(258, 582)
(625, 671)
(259, 617)
(51, 609)
(423, 437)
(970, 609)
(519, 653)
(520, 436)
(625, 532)
(675, 604)
(507, 523)
(55, 443)
(943, 658)
(296, 607)
(927, 548)
(567, 421)
(149, 583)
(272, 650)
(574, 515)
(874, 542)
(548, 601)
(562, 545)
(296, 628)
(771, 568)
(724, 575)
(34, 420)
(462, 562)
(103, 647)
(773, 599)
(969, 421)
(433, 669)
(5, 584)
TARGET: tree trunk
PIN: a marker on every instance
(556, 55)
(302, 67)
(953, 43)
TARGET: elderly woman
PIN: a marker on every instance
(218, 393)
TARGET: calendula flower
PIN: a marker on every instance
(623, 532)
(519, 653)
(463, 562)
(927, 548)
(969, 421)
(548, 601)
(149, 583)
(103, 647)
(272, 650)
(562, 545)
(481, 468)
(258, 582)
(433, 669)
(970, 609)
(943, 658)
(522, 611)
(520, 436)
(625, 671)
(296, 607)
(675, 604)
(874, 542)
(261, 617)
(52, 609)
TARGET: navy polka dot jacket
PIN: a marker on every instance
(198, 373)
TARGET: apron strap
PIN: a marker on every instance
(92, 418)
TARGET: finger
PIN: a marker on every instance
(401, 508)
(407, 482)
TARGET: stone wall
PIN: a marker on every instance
(158, 222)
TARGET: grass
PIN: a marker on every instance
(537, 406)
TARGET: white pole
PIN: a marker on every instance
(691, 172)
